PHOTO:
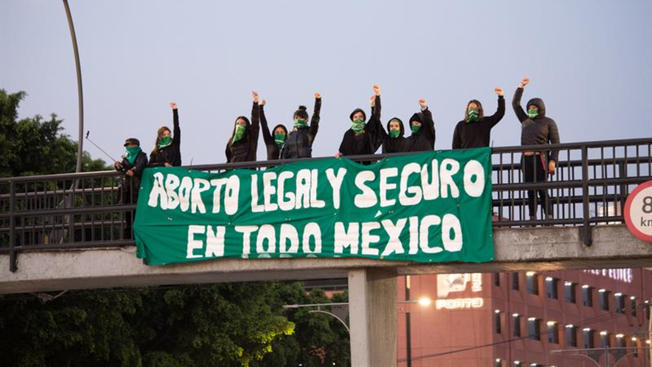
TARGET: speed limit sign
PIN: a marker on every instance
(638, 211)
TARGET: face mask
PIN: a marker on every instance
(357, 126)
(239, 133)
(532, 113)
(415, 128)
(394, 133)
(132, 153)
(279, 139)
(164, 141)
(300, 123)
(473, 115)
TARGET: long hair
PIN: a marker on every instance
(480, 110)
(158, 137)
(230, 143)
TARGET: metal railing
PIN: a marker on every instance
(84, 210)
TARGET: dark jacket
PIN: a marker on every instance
(424, 139)
(477, 134)
(273, 150)
(299, 141)
(389, 144)
(131, 184)
(538, 131)
(172, 153)
(244, 150)
(367, 141)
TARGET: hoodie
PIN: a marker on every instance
(477, 134)
(298, 143)
(365, 142)
(424, 139)
(539, 130)
(244, 150)
(273, 150)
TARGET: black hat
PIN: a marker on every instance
(132, 141)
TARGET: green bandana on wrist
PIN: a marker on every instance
(279, 139)
(394, 133)
(239, 133)
(473, 115)
(415, 128)
(164, 141)
(300, 123)
(532, 113)
(357, 126)
(131, 154)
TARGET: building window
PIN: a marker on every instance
(534, 328)
(604, 299)
(516, 321)
(604, 339)
(515, 284)
(518, 364)
(587, 296)
(647, 310)
(551, 287)
(634, 345)
(498, 363)
(571, 336)
(620, 341)
(553, 332)
(569, 292)
(497, 321)
(632, 303)
(497, 279)
(587, 335)
(619, 299)
(532, 283)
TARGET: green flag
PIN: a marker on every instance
(425, 207)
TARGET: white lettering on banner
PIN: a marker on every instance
(214, 241)
(459, 303)
(335, 180)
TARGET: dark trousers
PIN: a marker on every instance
(129, 193)
(534, 171)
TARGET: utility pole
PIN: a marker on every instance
(80, 95)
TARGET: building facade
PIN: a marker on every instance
(560, 318)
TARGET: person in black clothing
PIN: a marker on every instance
(275, 139)
(475, 130)
(392, 140)
(361, 138)
(132, 166)
(423, 129)
(243, 143)
(536, 129)
(167, 149)
(299, 142)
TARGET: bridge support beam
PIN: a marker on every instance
(372, 317)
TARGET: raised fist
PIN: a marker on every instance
(376, 88)
(255, 95)
(173, 105)
(524, 82)
(499, 91)
(317, 95)
(422, 103)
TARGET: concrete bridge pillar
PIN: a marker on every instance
(372, 317)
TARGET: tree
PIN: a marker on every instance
(33, 145)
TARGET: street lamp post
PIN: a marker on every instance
(80, 95)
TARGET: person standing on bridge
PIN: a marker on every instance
(243, 143)
(475, 130)
(536, 129)
(299, 142)
(167, 149)
(362, 138)
(133, 163)
(423, 129)
(392, 140)
(274, 139)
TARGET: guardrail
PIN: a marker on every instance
(85, 210)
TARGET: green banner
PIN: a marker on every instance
(425, 207)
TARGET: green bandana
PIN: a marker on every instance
(239, 133)
(357, 126)
(532, 113)
(164, 141)
(415, 128)
(279, 139)
(473, 115)
(300, 123)
(132, 153)
(394, 133)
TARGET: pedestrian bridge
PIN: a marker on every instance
(67, 231)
